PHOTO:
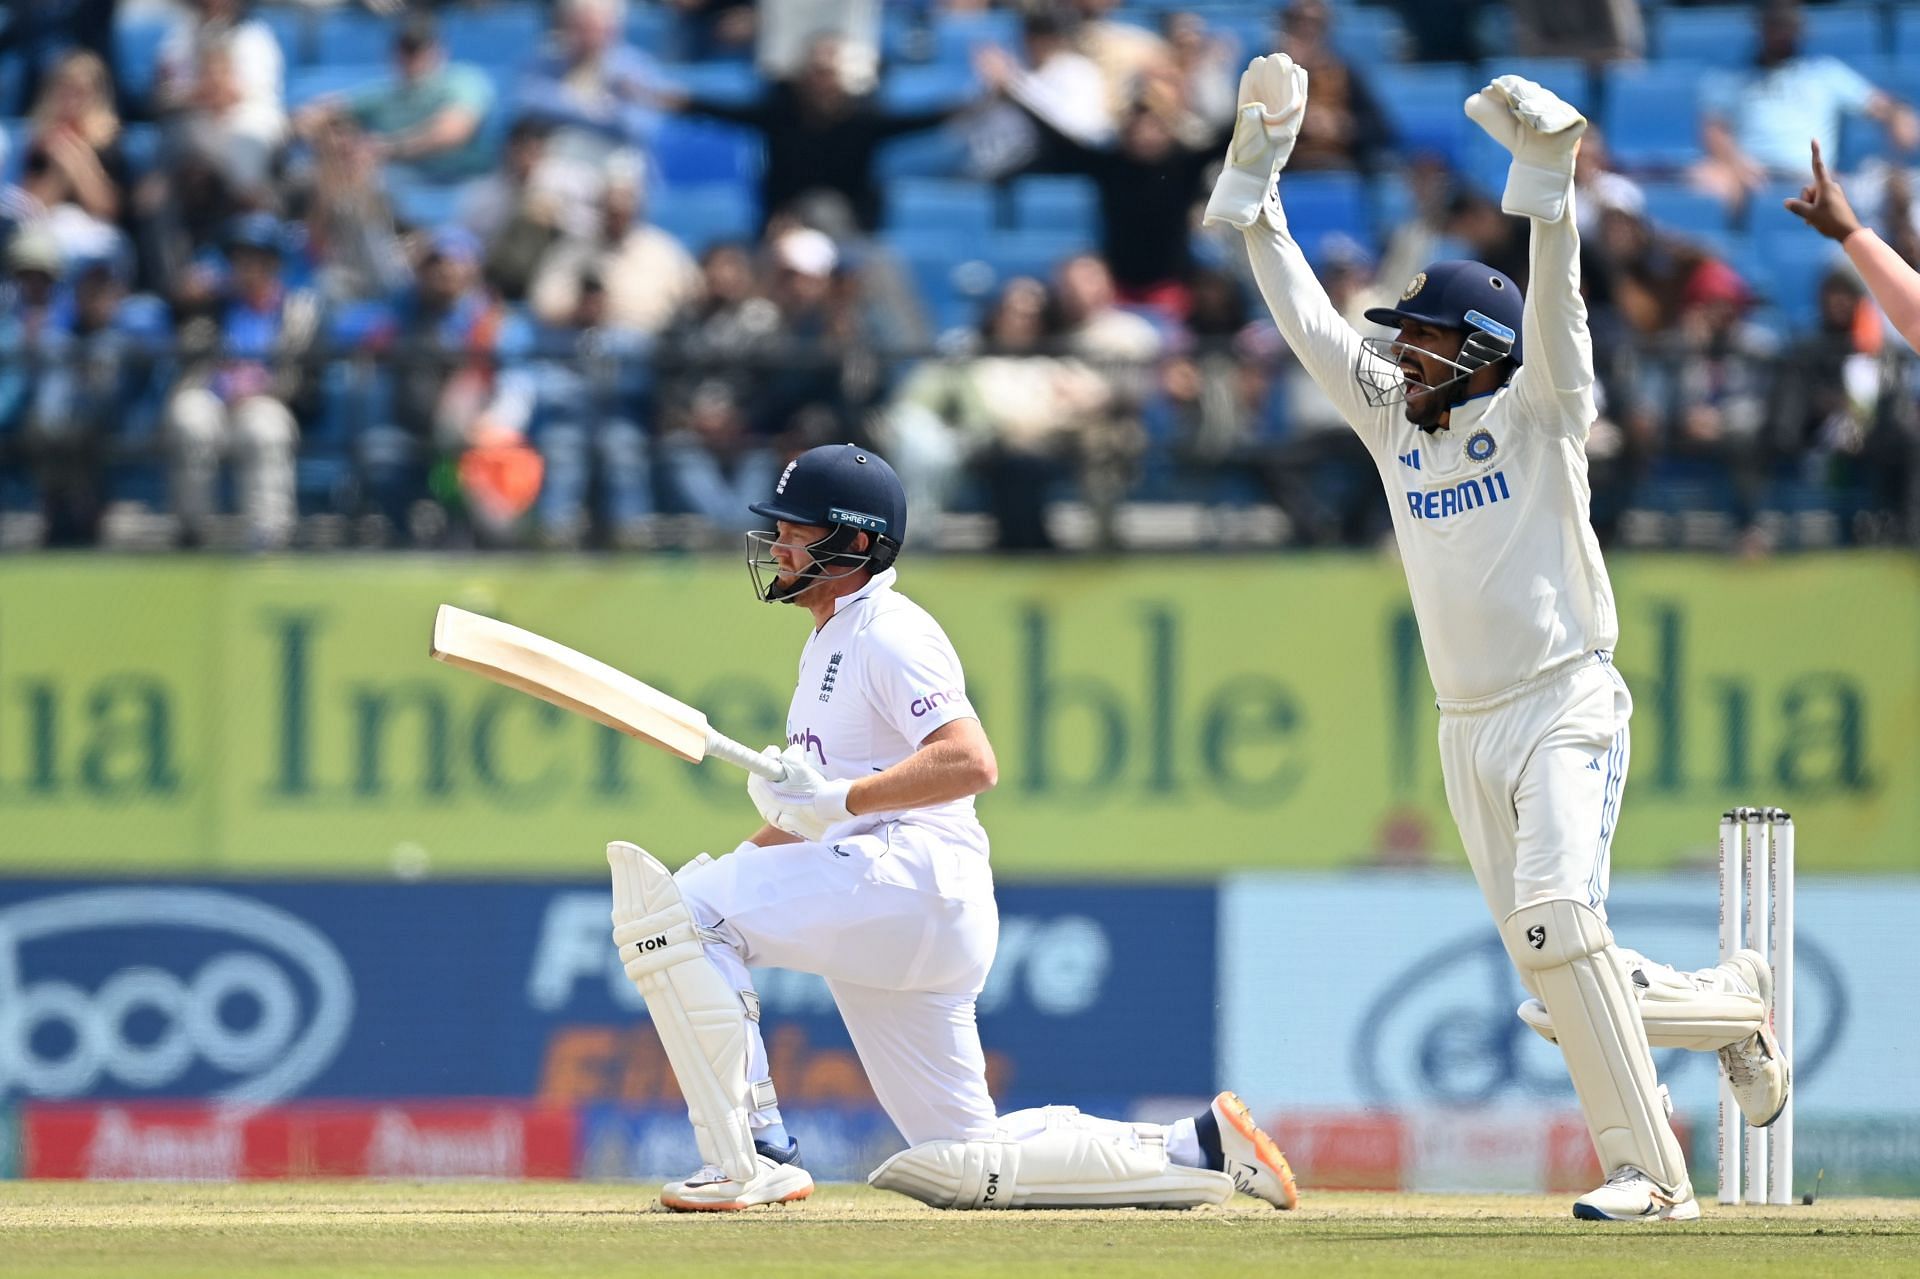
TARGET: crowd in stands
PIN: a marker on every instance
(584, 273)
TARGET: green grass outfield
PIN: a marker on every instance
(474, 1231)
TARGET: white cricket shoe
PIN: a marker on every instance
(1252, 1159)
(781, 1179)
(1759, 1076)
(1631, 1195)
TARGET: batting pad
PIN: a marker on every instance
(700, 1018)
(1596, 1016)
(1678, 1014)
(1074, 1161)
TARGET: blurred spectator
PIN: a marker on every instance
(1422, 238)
(1123, 52)
(97, 394)
(1594, 31)
(351, 232)
(426, 121)
(1206, 66)
(1598, 187)
(809, 397)
(597, 465)
(819, 133)
(596, 91)
(715, 29)
(464, 399)
(787, 30)
(642, 272)
(1755, 125)
(1149, 184)
(33, 315)
(528, 204)
(1345, 129)
(1123, 348)
(38, 34)
(1012, 409)
(244, 342)
(1829, 381)
(219, 89)
(75, 126)
(1441, 32)
(1486, 234)
(712, 366)
(1062, 87)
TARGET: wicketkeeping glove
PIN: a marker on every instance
(1542, 132)
(804, 802)
(1273, 98)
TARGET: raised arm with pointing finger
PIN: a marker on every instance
(1895, 285)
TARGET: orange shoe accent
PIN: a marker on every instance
(1230, 1105)
(695, 1205)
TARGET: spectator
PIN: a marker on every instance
(715, 29)
(1205, 67)
(1599, 186)
(351, 231)
(42, 200)
(75, 126)
(787, 29)
(245, 343)
(33, 315)
(589, 439)
(642, 271)
(1486, 234)
(37, 35)
(1059, 85)
(1148, 185)
(1592, 30)
(525, 207)
(1346, 128)
(1754, 125)
(219, 88)
(819, 134)
(596, 91)
(1123, 348)
(1123, 52)
(424, 123)
(98, 393)
(1012, 409)
(464, 399)
(1824, 400)
(723, 335)
(810, 395)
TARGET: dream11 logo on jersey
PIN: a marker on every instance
(165, 992)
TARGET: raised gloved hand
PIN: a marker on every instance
(1273, 99)
(804, 802)
(1542, 132)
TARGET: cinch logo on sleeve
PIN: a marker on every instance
(934, 701)
(1467, 495)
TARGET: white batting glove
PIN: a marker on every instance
(1273, 99)
(1542, 132)
(804, 802)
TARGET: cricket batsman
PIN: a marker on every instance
(872, 871)
(1476, 414)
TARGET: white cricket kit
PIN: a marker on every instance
(1516, 613)
(895, 910)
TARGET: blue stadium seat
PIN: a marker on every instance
(140, 145)
(501, 39)
(1033, 253)
(1368, 37)
(726, 81)
(352, 35)
(689, 149)
(699, 216)
(14, 136)
(1318, 203)
(930, 153)
(422, 204)
(1844, 30)
(1674, 207)
(306, 84)
(136, 57)
(936, 86)
(1423, 105)
(293, 28)
(1715, 35)
(958, 208)
(953, 287)
(956, 35)
(650, 28)
(1056, 204)
(1652, 116)
(1906, 33)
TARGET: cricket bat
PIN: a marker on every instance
(573, 681)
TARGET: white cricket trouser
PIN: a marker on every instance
(904, 959)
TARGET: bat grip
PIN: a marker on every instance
(720, 746)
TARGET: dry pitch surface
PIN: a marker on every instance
(479, 1230)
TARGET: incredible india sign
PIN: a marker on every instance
(1164, 717)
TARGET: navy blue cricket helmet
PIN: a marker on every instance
(1461, 294)
(848, 491)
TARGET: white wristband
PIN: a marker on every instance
(830, 801)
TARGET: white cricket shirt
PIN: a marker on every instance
(1491, 513)
(875, 680)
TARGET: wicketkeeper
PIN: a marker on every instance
(1476, 414)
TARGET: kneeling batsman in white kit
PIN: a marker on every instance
(872, 872)
(1484, 460)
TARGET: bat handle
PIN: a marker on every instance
(720, 746)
